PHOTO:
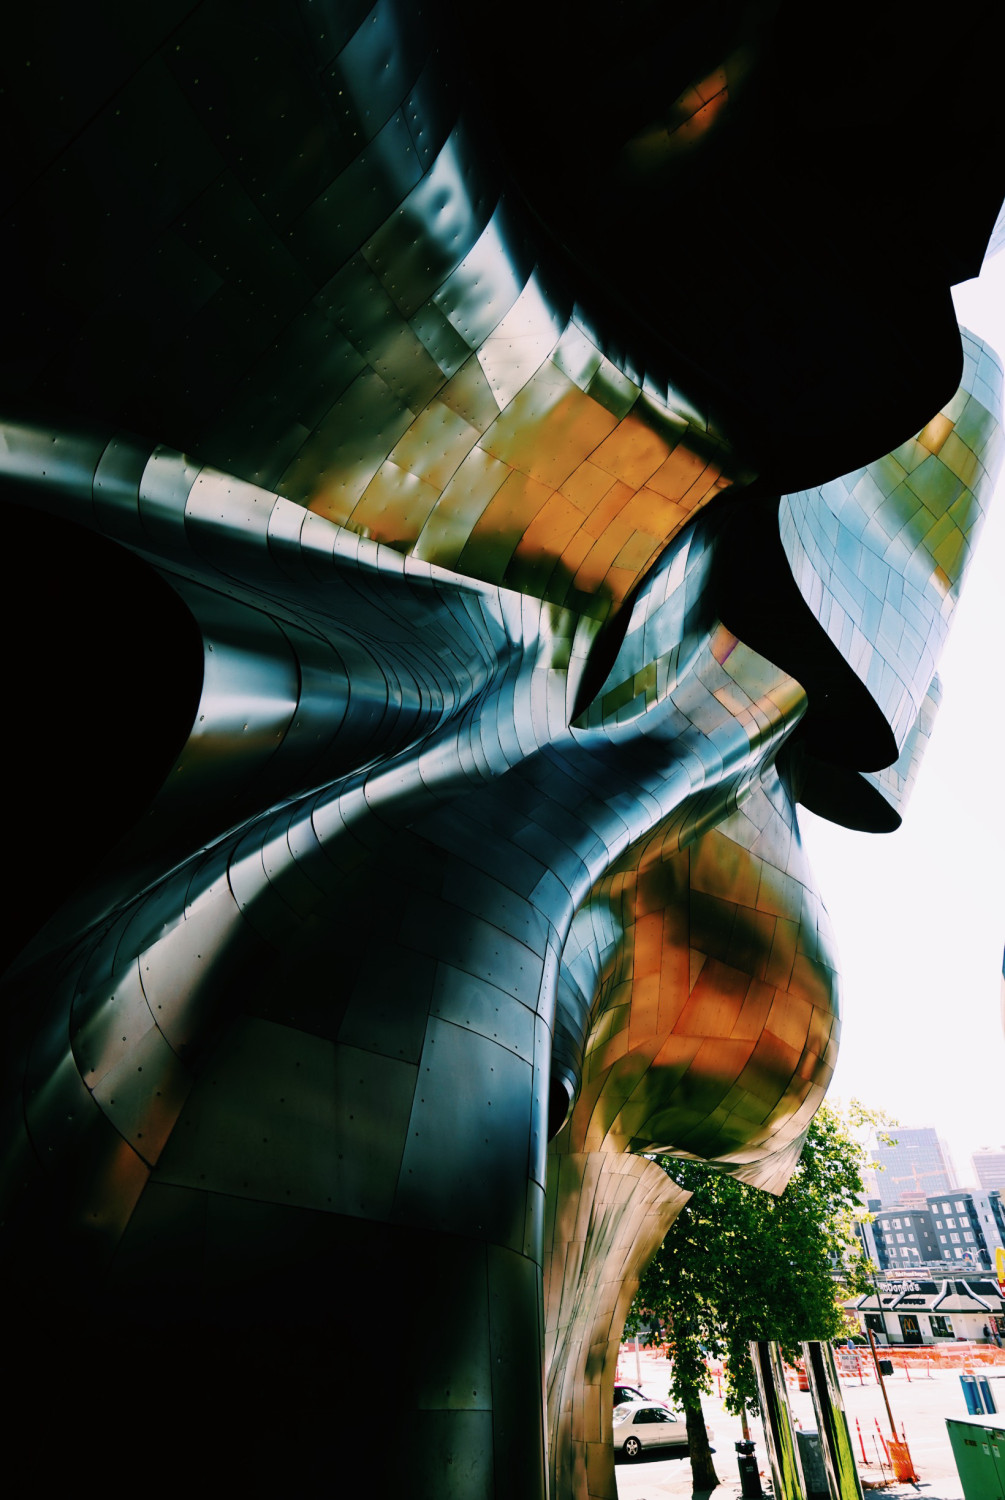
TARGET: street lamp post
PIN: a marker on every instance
(879, 1301)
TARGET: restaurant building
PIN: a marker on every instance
(903, 1311)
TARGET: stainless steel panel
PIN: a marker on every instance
(439, 222)
(516, 1325)
(143, 1093)
(371, 1090)
(469, 1089)
(261, 1121)
(107, 1025)
(485, 1008)
(783, 1455)
(116, 489)
(376, 1019)
(58, 462)
(832, 1424)
(445, 1382)
(164, 488)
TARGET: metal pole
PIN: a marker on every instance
(879, 1303)
(882, 1383)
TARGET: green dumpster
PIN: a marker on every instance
(979, 1450)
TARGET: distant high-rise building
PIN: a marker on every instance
(989, 1166)
(918, 1163)
(904, 1239)
(958, 1228)
(969, 1225)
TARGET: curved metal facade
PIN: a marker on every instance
(515, 662)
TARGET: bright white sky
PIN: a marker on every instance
(919, 915)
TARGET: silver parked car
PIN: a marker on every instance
(623, 1393)
(644, 1425)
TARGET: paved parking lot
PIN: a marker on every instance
(920, 1406)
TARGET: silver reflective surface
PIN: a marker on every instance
(835, 1438)
(772, 1397)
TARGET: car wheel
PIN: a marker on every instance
(632, 1447)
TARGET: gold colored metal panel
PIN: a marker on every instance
(465, 499)
(340, 458)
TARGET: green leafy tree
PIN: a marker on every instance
(739, 1264)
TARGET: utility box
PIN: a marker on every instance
(979, 1450)
(812, 1460)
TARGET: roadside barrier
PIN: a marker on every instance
(903, 1468)
(861, 1441)
(920, 1361)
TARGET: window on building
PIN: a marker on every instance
(938, 1223)
(896, 1223)
(900, 1239)
(969, 1237)
(907, 1223)
(942, 1328)
(958, 1254)
(942, 1237)
(955, 1239)
(947, 1208)
(961, 1208)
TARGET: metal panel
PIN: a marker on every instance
(444, 1382)
(108, 1025)
(516, 1323)
(778, 1433)
(978, 1449)
(143, 1094)
(835, 1438)
(261, 1122)
(184, 968)
(469, 1089)
(285, 247)
(484, 1008)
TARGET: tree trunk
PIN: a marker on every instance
(703, 1475)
